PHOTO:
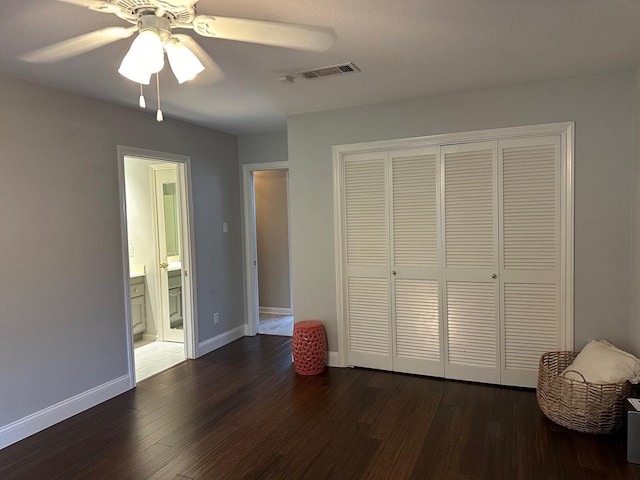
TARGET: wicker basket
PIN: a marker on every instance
(577, 405)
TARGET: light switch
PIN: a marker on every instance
(225, 227)
(131, 249)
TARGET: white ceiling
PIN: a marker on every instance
(405, 48)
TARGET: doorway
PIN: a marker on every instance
(157, 241)
(267, 253)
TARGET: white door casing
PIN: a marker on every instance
(250, 256)
(187, 241)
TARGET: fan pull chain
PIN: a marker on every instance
(159, 116)
(142, 102)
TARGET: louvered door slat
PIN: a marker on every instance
(471, 324)
(415, 211)
(469, 209)
(531, 324)
(529, 207)
(368, 308)
(417, 320)
(365, 212)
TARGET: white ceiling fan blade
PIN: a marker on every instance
(212, 72)
(97, 5)
(78, 45)
(287, 35)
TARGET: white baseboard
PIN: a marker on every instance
(24, 427)
(275, 311)
(332, 359)
(220, 340)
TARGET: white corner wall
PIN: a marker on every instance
(601, 107)
(62, 326)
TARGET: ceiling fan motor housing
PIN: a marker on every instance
(179, 12)
(159, 25)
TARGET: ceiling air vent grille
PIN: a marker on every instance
(328, 71)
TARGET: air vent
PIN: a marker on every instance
(328, 71)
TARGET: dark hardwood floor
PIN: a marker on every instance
(241, 412)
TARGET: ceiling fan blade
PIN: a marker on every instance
(97, 5)
(212, 72)
(287, 35)
(78, 45)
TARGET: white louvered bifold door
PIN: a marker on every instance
(470, 236)
(366, 227)
(529, 172)
(415, 261)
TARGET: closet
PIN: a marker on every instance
(453, 253)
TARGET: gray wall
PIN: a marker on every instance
(600, 105)
(272, 235)
(262, 147)
(62, 327)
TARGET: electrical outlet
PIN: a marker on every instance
(215, 318)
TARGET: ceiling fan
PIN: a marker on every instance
(154, 22)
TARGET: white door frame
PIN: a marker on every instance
(250, 244)
(188, 237)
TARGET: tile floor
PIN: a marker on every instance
(155, 357)
(276, 325)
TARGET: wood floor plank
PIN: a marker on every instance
(242, 412)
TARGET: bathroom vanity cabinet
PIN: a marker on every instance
(175, 298)
(138, 309)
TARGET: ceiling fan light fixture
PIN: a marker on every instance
(132, 71)
(153, 23)
(184, 63)
(144, 58)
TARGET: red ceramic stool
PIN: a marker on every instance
(309, 347)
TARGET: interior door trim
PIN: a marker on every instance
(188, 239)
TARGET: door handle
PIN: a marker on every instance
(164, 265)
(394, 272)
(494, 275)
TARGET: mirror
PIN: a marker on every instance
(171, 219)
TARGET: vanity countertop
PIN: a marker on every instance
(173, 266)
(136, 271)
